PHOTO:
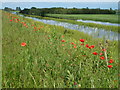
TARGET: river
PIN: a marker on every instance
(98, 22)
(94, 32)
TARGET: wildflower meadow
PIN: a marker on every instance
(38, 55)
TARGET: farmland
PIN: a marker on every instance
(95, 17)
(38, 55)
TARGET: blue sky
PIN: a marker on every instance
(23, 5)
(59, 0)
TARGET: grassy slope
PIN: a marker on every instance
(0, 49)
(95, 17)
(48, 62)
(112, 28)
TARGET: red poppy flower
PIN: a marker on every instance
(34, 27)
(39, 28)
(111, 61)
(109, 66)
(63, 45)
(92, 46)
(95, 53)
(87, 45)
(23, 44)
(72, 43)
(102, 57)
(24, 24)
(63, 40)
(82, 40)
(75, 46)
(82, 44)
(62, 36)
(101, 53)
(103, 49)
(11, 20)
(17, 19)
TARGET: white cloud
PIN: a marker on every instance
(59, 0)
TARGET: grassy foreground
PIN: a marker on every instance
(106, 27)
(38, 55)
(95, 17)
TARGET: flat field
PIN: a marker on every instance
(95, 17)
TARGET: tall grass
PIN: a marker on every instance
(50, 60)
(0, 50)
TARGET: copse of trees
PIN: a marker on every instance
(18, 9)
(8, 9)
(60, 10)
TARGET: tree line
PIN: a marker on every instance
(60, 10)
(10, 9)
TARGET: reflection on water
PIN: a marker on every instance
(95, 32)
(98, 22)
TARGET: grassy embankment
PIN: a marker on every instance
(0, 49)
(106, 27)
(49, 59)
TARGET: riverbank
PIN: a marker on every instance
(106, 27)
(38, 55)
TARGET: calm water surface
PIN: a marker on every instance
(98, 22)
(94, 32)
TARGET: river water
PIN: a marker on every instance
(98, 22)
(94, 32)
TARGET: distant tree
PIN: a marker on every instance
(25, 11)
(87, 8)
(110, 9)
(18, 9)
(33, 8)
(74, 8)
(8, 9)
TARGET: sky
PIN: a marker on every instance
(59, 0)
